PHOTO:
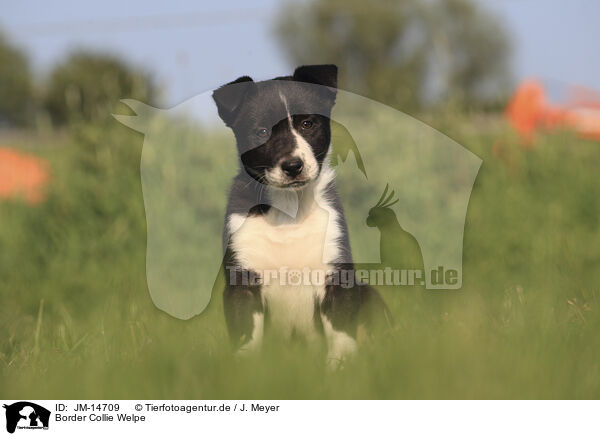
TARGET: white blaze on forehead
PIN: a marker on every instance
(303, 150)
(287, 110)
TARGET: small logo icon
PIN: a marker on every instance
(26, 415)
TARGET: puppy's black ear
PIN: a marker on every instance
(229, 98)
(325, 75)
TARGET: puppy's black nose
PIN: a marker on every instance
(292, 167)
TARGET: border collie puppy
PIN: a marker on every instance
(284, 215)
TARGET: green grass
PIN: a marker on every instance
(77, 320)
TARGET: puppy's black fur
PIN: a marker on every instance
(283, 134)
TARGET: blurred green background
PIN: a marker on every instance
(75, 312)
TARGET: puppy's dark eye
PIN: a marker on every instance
(307, 124)
(262, 132)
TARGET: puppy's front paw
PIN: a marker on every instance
(250, 346)
(340, 345)
(341, 349)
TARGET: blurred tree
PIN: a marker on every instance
(16, 91)
(473, 52)
(401, 53)
(88, 87)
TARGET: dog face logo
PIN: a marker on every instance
(26, 415)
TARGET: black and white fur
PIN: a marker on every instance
(284, 211)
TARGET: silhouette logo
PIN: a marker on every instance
(186, 176)
(26, 415)
(398, 248)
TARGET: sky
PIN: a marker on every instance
(192, 47)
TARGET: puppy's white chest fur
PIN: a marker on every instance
(275, 243)
(264, 243)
